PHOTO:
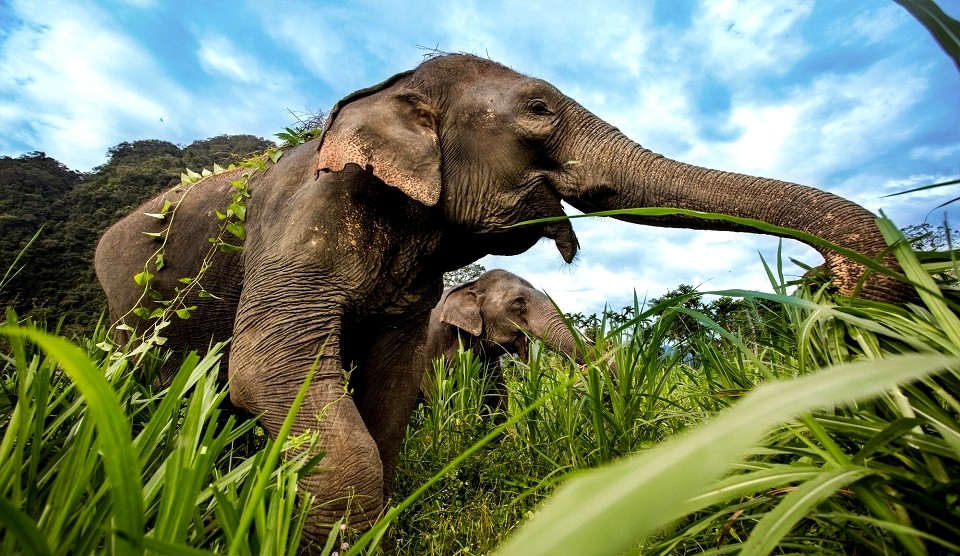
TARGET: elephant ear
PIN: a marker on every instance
(392, 132)
(461, 308)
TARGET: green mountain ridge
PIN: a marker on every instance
(74, 208)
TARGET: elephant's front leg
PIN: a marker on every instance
(386, 390)
(278, 337)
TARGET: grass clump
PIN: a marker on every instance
(831, 427)
(93, 460)
(813, 424)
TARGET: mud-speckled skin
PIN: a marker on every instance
(348, 237)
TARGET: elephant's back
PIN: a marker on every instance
(179, 235)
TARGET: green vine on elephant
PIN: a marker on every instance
(152, 306)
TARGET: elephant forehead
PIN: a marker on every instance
(462, 68)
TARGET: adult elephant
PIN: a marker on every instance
(348, 236)
(491, 316)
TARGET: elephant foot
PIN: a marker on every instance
(356, 517)
(348, 481)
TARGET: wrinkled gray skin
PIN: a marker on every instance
(347, 239)
(489, 316)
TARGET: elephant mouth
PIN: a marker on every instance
(541, 201)
(562, 234)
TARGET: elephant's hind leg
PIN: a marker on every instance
(386, 392)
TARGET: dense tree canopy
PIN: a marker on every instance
(73, 209)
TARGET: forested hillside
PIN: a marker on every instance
(71, 210)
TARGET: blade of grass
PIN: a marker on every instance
(758, 225)
(945, 29)
(612, 509)
(23, 528)
(927, 288)
(113, 430)
(253, 504)
(12, 270)
(768, 533)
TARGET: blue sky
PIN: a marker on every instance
(853, 97)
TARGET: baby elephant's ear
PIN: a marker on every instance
(393, 132)
(461, 308)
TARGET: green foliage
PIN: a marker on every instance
(152, 306)
(222, 150)
(74, 209)
(34, 193)
(722, 450)
(805, 423)
(93, 460)
(927, 238)
(788, 437)
(292, 137)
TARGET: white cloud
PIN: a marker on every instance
(74, 83)
(564, 43)
(871, 26)
(335, 44)
(217, 55)
(617, 259)
(143, 4)
(73, 87)
(220, 56)
(750, 37)
(935, 152)
(871, 191)
(830, 124)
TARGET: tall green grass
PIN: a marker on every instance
(831, 427)
(835, 429)
(92, 460)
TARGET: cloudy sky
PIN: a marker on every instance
(853, 97)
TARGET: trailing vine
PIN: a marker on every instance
(151, 305)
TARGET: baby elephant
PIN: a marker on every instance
(489, 316)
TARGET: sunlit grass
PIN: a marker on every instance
(831, 426)
(93, 461)
(827, 455)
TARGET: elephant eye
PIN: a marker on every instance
(539, 107)
(520, 304)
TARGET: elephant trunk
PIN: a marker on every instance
(555, 333)
(613, 172)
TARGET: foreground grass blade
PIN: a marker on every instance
(795, 506)
(945, 29)
(113, 431)
(23, 528)
(610, 510)
(758, 225)
(272, 457)
(946, 319)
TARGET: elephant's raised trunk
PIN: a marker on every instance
(617, 173)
